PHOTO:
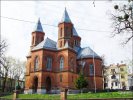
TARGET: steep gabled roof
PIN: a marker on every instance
(47, 44)
(87, 52)
(65, 17)
(38, 27)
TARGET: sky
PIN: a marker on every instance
(93, 24)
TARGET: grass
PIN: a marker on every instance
(102, 95)
(75, 96)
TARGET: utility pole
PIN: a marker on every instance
(132, 35)
(94, 72)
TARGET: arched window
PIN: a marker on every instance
(49, 63)
(61, 32)
(61, 63)
(60, 44)
(36, 64)
(33, 40)
(91, 69)
(66, 30)
(71, 31)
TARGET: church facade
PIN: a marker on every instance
(54, 65)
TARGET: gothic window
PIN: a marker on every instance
(66, 31)
(36, 64)
(61, 32)
(91, 69)
(71, 31)
(60, 43)
(49, 63)
(29, 66)
(33, 40)
(61, 63)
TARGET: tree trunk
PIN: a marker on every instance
(4, 83)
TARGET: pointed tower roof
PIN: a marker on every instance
(65, 17)
(38, 27)
(75, 32)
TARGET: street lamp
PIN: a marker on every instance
(16, 77)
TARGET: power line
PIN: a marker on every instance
(49, 24)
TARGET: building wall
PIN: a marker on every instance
(69, 73)
(116, 77)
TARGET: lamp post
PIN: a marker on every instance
(16, 77)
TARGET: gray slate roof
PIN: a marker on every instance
(65, 17)
(38, 27)
(75, 32)
(47, 44)
(87, 52)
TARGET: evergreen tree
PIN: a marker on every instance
(81, 82)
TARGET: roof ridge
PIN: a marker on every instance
(51, 39)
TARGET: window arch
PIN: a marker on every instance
(36, 64)
(49, 63)
(91, 69)
(61, 63)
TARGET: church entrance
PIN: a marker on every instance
(35, 84)
(48, 84)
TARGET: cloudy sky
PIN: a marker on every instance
(93, 24)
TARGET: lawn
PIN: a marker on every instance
(102, 95)
(76, 96)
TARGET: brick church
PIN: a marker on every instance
(54, 65)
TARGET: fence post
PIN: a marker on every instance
(63, 94)
(15, 94)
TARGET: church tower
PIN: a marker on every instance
(65, 31)
(37, 34)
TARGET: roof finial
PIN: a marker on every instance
(38, 27)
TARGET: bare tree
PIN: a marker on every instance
(3, 47)
(19, 70)
(6, 63)
(11, 68)
(123, 20)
